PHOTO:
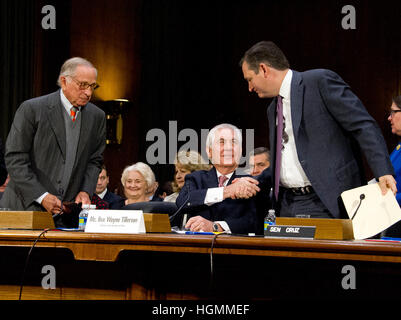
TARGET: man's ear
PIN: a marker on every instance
(264, 69)
(209, 153)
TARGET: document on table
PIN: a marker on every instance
(375, 213)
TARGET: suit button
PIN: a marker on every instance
(61, 190)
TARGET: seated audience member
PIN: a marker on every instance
(164, 189)
(136, 180)
(395, 157)
(99, 202)
(395, 121)
(152, 193)
(259, 160)
(102, 191)
(209, 197)
(185, 163)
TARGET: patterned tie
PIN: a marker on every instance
(222, 179)
(73, 112)
(279, 138)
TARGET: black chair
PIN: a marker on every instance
(152, 207)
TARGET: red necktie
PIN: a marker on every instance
(222, 179)
(73, 112)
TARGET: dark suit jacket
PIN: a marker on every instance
(113, 200)
(329, 121)
(35, 152)
(240, 214)
(3, 170)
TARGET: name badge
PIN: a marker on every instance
(115, 221)
(279, 231)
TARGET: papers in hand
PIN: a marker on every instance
(376, 212)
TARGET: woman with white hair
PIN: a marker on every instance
(136, 180)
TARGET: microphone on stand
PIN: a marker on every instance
(184, 221)
(361, 197)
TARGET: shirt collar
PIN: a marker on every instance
(66, 103)
(285, 89)
(227, 175)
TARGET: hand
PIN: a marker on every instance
(387, 182)
(51, 203)
(83, 197)
(199, 224)
(241, 188)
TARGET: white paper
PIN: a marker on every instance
(115, 221)
(376, 212)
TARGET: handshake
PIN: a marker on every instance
(241, 188)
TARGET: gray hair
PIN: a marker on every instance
(143, 169)
(68, 68)
(212, 133)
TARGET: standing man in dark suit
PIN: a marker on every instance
(101, 190)
(210, 198)
(322, 120)
(55, 145)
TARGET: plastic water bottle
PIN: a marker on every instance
(270, 219)
(83, 215)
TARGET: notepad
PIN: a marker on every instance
(376, 212)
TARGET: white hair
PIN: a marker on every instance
(143, 169)
(212, 133)
(69, 67)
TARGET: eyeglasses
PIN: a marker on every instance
(392, 112)
(85, 85)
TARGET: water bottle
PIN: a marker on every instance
(270, 219)
(83, 215)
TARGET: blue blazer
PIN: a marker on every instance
(395, 158)
(240, 214)
(331, 126)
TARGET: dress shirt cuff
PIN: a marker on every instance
(224, 226)
(40, 199)
(214, 195)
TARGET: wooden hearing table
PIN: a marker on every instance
(173, 266)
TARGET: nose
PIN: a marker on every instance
(250, 87)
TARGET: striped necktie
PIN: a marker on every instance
(73, 113)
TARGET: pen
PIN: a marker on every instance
(194, 232)
(390, 238)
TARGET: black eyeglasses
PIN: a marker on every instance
(85, 85)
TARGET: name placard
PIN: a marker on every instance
(115, 221)
(307, 232)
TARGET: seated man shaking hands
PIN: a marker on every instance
(213, 203)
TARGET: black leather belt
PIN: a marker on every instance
(301, 190)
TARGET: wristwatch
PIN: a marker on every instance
(215, 227)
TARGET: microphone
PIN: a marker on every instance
(361, 197)
(182, 206)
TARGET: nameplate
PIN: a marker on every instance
(115, 221)
(307, 232)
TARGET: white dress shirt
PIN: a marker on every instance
(291, 173)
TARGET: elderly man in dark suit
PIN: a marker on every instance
(210, 198)
(321, 120)
(55, 145)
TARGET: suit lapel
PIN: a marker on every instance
(297, 98)
(56, 121)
